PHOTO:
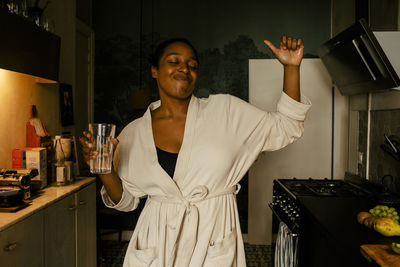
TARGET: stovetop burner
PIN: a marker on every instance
(322, 187)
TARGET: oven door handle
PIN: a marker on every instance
(271, 206)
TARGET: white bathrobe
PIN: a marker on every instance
(192, 219)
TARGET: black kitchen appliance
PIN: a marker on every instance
(15, 188)
(287, 207)
(356, 61)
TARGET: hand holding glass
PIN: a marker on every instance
(101, 139)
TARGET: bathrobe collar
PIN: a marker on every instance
(185, 151)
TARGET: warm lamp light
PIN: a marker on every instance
(2, 76)
(4, 72)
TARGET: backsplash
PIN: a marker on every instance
(380, 162)
(17, 93)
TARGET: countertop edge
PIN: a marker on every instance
(52, 193)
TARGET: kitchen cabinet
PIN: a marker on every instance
(22, 243)
(86, 227)
(27, 48)
(332, 235)
(58, 229)
(59, 225)
(70, 230)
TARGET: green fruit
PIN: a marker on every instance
(383, 211)
(396, 247)
(387, 227)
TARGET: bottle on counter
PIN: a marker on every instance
(59, 174)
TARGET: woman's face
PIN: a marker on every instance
(176, 74)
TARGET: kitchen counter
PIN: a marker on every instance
(43, 199)
(333, 222)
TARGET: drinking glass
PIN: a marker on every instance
(102, 135)
(24, 9)
(44, 22)
(14, 6)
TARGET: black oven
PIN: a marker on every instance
(289, 226)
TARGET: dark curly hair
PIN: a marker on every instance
(154, 58)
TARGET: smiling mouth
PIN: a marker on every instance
(182, 78)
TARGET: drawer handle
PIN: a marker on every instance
(82, 202)
(10, 247)
(72, 208)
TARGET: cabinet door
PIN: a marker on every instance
(22, 243)
(59, 233)
(86, 226)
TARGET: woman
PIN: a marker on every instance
(190, 217)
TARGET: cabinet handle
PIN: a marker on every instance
(82, 202)
(10, 247)
(72, 208)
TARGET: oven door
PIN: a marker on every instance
(287, 238)
(286, 247)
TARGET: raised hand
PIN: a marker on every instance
(87, 145)
(88, 152)
(111, 181)
(290, 51)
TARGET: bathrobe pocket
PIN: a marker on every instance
(140, 257)
(222, 253)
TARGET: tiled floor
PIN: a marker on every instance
(256, 255)
(113, 253)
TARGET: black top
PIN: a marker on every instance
(167, 161)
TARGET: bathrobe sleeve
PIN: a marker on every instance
(131, 194)
(260, 131)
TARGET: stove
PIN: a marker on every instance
(288, 212)
(286, 194)
(321, 187)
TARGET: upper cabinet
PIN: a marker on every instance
(27, 48)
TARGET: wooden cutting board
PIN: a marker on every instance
(16, 207)
(381, 254)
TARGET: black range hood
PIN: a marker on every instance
(356, 62)
(27, 48)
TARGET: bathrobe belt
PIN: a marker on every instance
(188, 220)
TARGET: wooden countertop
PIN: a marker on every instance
(44, 198)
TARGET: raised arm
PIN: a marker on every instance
(290, 54)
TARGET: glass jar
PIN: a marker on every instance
(59, 175)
